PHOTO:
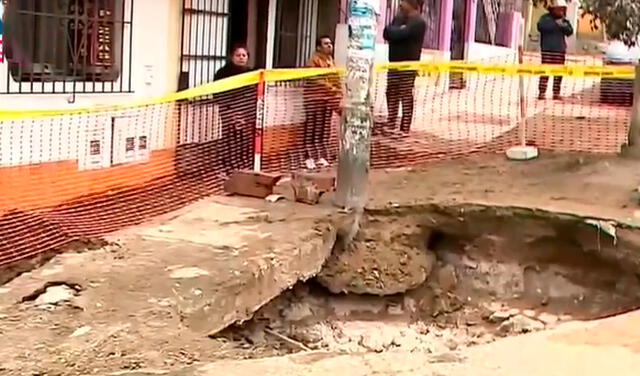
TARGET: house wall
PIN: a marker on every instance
(486, 53)
(46, 161)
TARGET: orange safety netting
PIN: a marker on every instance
(66, 176)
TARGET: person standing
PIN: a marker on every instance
(321, 99)
(554, 30)
(405, 36)
(237, 113)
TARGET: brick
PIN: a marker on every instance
(324, 181)
(285, 188)
(307, 192)
(251, 183)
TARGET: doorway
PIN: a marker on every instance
(260, 33)
(238, 23)
(458, 43)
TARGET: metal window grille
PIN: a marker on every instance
(297, 25)
(205, 40)
(67, 46)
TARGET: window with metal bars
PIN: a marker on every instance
(67, 46)
(205, 40)
(299, 23)
(296, 22)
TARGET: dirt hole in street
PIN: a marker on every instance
(437, 279)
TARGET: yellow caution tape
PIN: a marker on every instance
(280, 75)
(202, 91)
(626, 72)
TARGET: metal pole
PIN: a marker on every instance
(258, 134)
(521, 86)
(357, 119)
(523, 103)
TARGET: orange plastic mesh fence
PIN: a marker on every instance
(66, 176)
(425, 114)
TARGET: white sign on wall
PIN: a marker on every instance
(130, 140)
(95, 145)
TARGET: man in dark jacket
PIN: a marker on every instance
(405, 36)
(554, 30)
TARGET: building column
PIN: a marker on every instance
(343, 11)
(271, 33)
(470, 24)
(573, 15)
(381, 20)
(446, 19)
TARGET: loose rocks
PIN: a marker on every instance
(520, 324)
(56, 295)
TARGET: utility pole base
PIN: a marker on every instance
(522, 153)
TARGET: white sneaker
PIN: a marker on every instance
(310, 164)
(323, 162)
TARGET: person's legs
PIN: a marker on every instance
(324, 134)
(407, 90)
(542, 87)
(230, 144)
(313, 113)
(248, 136)
(394, 84)
(547, 58)
(557, 80)
(227, 137)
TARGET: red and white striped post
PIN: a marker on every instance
(258, 141)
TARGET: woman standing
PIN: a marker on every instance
(238, 114)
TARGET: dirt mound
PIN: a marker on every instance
(383, 259)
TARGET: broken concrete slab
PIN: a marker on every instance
(324, 181)
(196, 272)
(55, 295)
(232, 271)
(238, 285)
(285, 188)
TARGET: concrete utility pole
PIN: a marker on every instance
(357, 118)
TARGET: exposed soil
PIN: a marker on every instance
(382, 259)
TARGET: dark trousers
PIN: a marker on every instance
(238, 116)
(400, 87)
(317, 128)
(557, 58)
(237, 140)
